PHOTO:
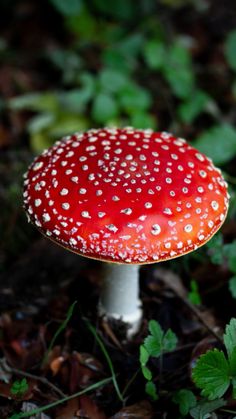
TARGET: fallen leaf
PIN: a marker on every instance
(142, 410)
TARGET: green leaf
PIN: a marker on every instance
(40, 122)
(194, 296)
(45, 102)
(219, 143)
(178, 70)
(230, 337)
(112, 80)
(104, 108)
(204, 408)
(134, 98)
(232, 363)
(67, 8)
(141, 119)
(211, 374)
(151, 390)
(158, 342)
(154, 54)
(232, 286)
(185, 399)
(19, 388)
(230, 49)
(193, 106)
(143, 358)
(169, 341)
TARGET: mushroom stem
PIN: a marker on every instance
(120, 295)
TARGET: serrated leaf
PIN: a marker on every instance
(153, 346)
(156, 330)
(143, 355)
(151, 390)
(219, 143)
(230, 337)
(185, 399)
(169, 341)
(204, 407)
(146, 373)
(211, 374)
(232, 363)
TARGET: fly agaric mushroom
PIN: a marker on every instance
(127, 197)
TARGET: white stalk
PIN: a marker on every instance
(120, 295)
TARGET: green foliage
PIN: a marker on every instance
(213, 372)
(19, 388)
(193, 106)
(204, 407)
(194, 296)
(219, 143)
(185, 400)
(66, 7)
(230, 49)
(155, 345)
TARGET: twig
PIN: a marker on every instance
(43, 380)
(199, 316)
(173, 281)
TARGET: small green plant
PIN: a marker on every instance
(214, 372)
(19, 387)
(185, 399)
(155, 345)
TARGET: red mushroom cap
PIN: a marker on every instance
(126, 195)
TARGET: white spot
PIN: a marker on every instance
(167, 211)
(38, 165)
(199, 156)
(112, 228)
(64, 192)
(75, 179)
(188, 228)
(148, 205)
(214, 205)
(126, 211)
(82, 191)
(156, 229)
(46, 217)
(85, 214)
(72, 241)
(65, 205)
(37, 202)
(101, 214)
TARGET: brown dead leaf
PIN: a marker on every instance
(80, 407)
(142, 410)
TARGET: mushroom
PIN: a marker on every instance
(126, 197)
